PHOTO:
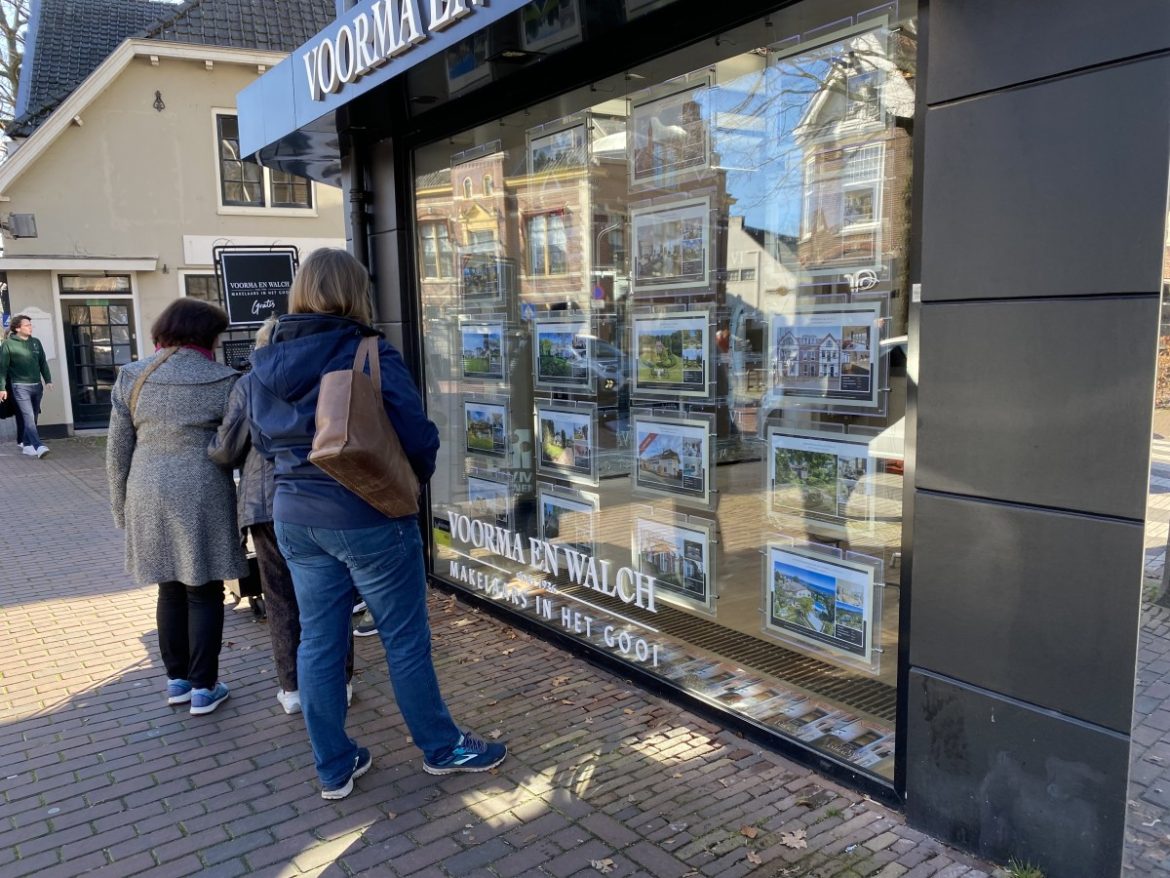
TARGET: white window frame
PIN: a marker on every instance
(243, 210)
(873, 184)
(428, 222)
(561, 212)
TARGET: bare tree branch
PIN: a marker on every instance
(13, 24)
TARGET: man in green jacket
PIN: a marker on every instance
(23, 366)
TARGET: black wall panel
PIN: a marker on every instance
(1050, 190)
(1042, 402)
(1008, 781)
(1029, 604)
(980, 45)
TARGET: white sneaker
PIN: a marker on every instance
(41, 451)
(359, 608)
(290, 701)
(29, 450)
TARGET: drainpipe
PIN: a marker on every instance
(359, 197)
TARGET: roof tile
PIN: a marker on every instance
(73, 37)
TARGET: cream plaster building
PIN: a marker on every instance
(125, 151)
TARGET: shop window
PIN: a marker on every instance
(244, 183)
(547, 244)
(672, 374)
(436, 254)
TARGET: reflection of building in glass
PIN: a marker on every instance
(556, 226)
(855, 158)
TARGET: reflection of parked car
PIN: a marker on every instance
(607, 365)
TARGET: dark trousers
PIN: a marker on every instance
(190, 631)
(280, 602)
(19, 418)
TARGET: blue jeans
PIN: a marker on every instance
(28, 403)
(385, 564)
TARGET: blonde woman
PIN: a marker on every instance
(335, 541)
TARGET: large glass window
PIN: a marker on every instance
(669, 365)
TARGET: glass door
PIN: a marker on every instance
(99, 339)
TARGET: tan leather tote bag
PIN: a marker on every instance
(355, 442)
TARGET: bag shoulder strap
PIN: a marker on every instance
(368, 351)
(137, 389)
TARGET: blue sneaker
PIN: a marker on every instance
(178, 691)
(470, 754)
(361, 764)
(207, 700)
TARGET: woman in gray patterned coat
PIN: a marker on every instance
(178, 508)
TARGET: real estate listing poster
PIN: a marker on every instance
(489, 501)
(567, 518)
(827, 355)
(555, 150)
(548, 23)
(485, 428)
(829, 479)
(483, 350)
(672, 456)
(672, 354)
(671, 245)
(813, 599)
(669, 136)
(680, 557)
(562, 352)
(565, 442)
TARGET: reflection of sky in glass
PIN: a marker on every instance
(756, 116)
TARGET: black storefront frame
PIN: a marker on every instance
(643, 40)
(976, 739)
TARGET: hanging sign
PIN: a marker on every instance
(255, 283)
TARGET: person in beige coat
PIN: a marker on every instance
(177, 507)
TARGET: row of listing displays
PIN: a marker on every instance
(827, 478)
(672, 452)
(814, 597)
(825, 356)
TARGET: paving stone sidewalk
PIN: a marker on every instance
(98, 773)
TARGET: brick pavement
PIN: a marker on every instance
(97, 772)
(1147, 830)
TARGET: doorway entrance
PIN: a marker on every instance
(100, 338)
